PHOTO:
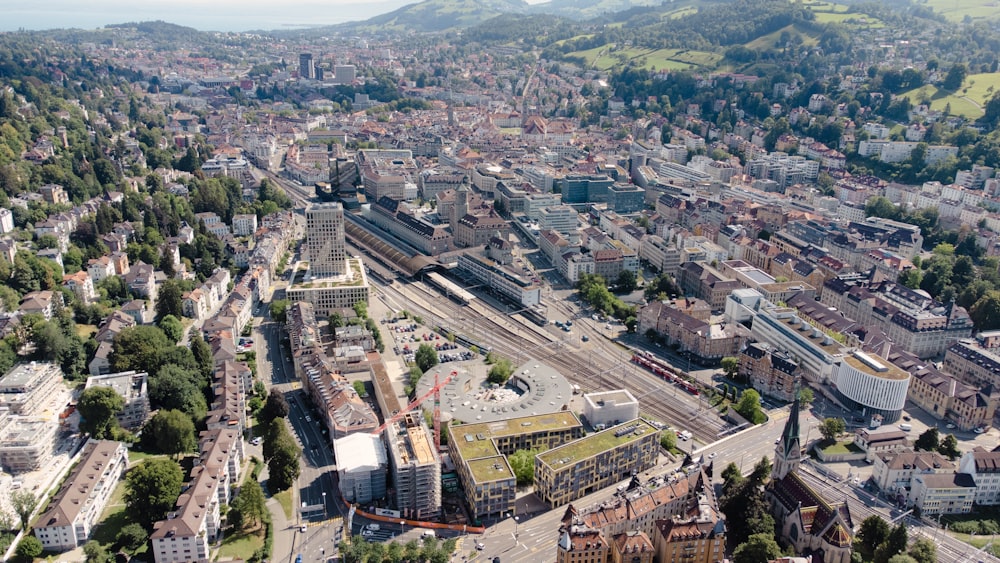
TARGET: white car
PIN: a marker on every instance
(979, 430)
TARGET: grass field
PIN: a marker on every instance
(85, 331)
(768, 42)
(242, 545)
(968, 100)
(957, 10)
(604, 58)
(285, 499)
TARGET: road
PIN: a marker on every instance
(317, 487)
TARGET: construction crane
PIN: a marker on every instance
(436, 392)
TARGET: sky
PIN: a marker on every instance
(206, 15)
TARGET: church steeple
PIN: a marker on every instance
(788, 452)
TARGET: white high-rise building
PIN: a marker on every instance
(325, 240)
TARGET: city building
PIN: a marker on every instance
(580, 188)
(578, 468)
(131, 386)
(325, 246)
(706, 343)
(71, 515)
(416, 469)
(307, 67)
(608, 408)
(972, 364)
(362, 466)
(479, 452)
(333, 281)
(864, 382)
(513, 283)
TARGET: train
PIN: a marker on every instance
(665, 372)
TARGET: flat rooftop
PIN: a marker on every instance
(805, 330)
(489, 469)
(596, 443)
(354, 278)
(875, 366)
(468, 397)
(476, 440)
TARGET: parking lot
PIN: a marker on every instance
(408, 336)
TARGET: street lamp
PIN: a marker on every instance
(401, 522)
(325, 515)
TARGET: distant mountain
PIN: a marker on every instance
(436, 15)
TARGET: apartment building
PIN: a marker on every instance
(696, 537)
(130, 386)
(707, 343)
(416, 469)
(971, 364)
(945, 397)
(28, 388)
(578, 468)
(770, 371)
(71, 515)
(479, 453)
(893, 471)
(944, 493)
(984, 468)
(26, 443)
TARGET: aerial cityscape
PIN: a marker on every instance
(593, 281)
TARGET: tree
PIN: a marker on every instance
(172, 327)
(202, 355)
(151, 490)
(956, 75)
(749, 407)
(98, 407)
(95, 552)
(170, 432)
(928, 441)
(806, 396)
(985, 312)
(730, 366)
(668, 440)
(170, 299)
(522, 462)
(757, 548)
(29, 548)
(949, 447)
(250, 504)
(283, 468)
(131, 537)
(902, 558)
(137, 348)
(275, 407)
(873, 532)
(626, 282)
(426, 357)
(174, 387)
(832, 427)
(500, 371)
(893, 545)
(731, 476)
(923, 550)
(279, 309)
(23, 502)
(361, 309)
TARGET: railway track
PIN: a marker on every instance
(517, 340)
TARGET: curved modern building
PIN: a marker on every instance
(872, 385)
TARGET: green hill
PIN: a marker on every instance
(438, 15)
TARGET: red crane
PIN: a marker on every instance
(436, 392)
